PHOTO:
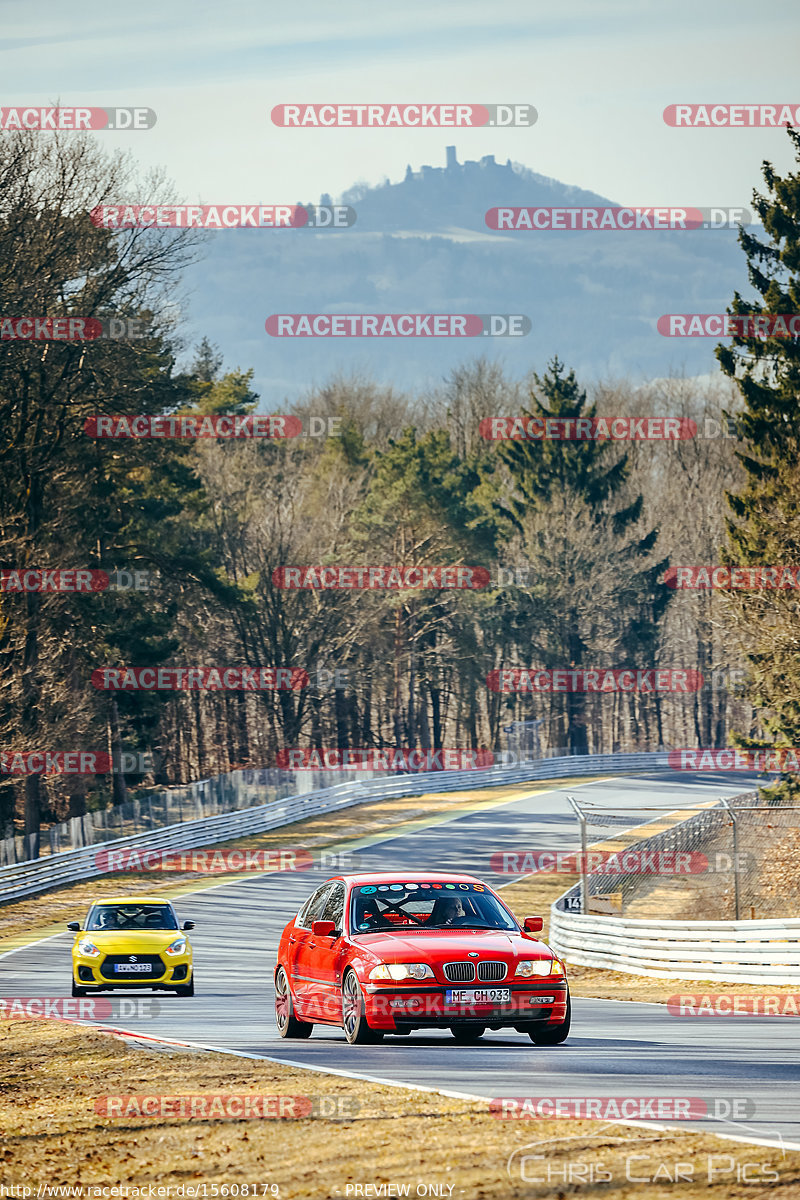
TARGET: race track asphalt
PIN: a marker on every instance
(615, 1048)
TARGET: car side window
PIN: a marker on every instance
(334, 907)
(313, 907)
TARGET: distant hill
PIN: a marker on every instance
(458, 195)
(421, 245)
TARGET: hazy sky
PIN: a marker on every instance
(599, 74)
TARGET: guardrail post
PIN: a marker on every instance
(727, 806)
(584, 886)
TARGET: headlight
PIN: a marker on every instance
(402, 971)
(177, 947)
(533, 966)
(88, 948)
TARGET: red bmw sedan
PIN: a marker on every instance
(391, 952)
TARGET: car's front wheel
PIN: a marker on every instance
(77, 991)
(288, 1024)
(354, 1017)
(553, 1035)
(186, 989)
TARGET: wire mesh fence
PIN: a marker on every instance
(734, 859)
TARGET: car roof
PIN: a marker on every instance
(132, 900)
(407, 876)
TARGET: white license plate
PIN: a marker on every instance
(133, 968)
(478, 996)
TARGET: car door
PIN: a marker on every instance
(327, 956)
(299, 953)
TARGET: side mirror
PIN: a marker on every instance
(323, 928)
(188, 925)
(533, 924)
(74, 926)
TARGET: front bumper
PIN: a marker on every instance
(166, 972)
(415, 1007)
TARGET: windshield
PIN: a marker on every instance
(424, 906)
(132, 916)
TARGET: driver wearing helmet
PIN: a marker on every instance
(451, 911)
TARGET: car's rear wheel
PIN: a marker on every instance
(467, 1033)
(553, 1035)
(354, 1017)
(288, 1024)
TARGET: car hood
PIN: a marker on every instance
(144, 941)
(445, 944)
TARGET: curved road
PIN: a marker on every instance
(615, 1049)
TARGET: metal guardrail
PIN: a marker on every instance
(73, 866)
(725, 951)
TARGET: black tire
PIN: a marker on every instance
(553, 1035)
(467, 1034)
(77, 991)
(288, 1024)
(354, 1019)
(187, 989)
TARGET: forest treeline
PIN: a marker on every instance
(576, 537)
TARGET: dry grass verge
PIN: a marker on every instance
(51, 1075)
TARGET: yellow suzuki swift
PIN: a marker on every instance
(132, 941)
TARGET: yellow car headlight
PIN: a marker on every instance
(399, 971)
(88, 948)
(177, 947)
